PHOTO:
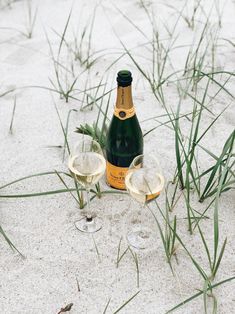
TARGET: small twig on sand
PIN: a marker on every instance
(67, 308)
(12, 117)
(96, 248)
(78, 286)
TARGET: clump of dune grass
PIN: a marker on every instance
(196, 295)
(65, 78)
(189, 15)
(7, 3)
(226, 161)
(81, 48)
(98, 130)
(214, 259)
(80, 58)
(66, 75)
(120, 256)
(30, 20)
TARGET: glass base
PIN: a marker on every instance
(141, 238)
(89, 225)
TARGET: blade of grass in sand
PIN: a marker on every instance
(37, 194)
(200, 293)
(129, 300)
(62, 180)
(12, 116)
(12, 246)
(32, 176)
(106, 307)
(135, 257)
(66, 131)
(62, 127)
(64, 32)
(227, 149)
(96, 249)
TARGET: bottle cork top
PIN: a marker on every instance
(124, 78)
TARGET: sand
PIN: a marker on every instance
(57, 256)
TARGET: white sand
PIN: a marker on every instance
(42, 227)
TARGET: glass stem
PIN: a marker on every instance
(141, 212)
(89, 213)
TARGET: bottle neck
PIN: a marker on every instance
(124, 108)
(124, 98)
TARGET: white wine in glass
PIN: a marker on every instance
(87, 168)
(87, 164)
(144, 181)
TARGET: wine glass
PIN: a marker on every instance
(87, 164)
(144, 182)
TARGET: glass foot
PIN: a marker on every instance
(89, 225)
(141, 238)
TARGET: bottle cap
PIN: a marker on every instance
(124, 78)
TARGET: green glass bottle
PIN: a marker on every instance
(124, 138)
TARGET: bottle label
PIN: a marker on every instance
(124, 114)
(116, 176)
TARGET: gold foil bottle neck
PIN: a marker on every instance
(124, 97)
(124, 108)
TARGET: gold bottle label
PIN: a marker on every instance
(116, 176)
(123, 114)
(124, 108)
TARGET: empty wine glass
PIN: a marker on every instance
(87, 164)
(144, 182)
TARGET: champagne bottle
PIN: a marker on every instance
(124, 137)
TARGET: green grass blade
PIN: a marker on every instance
(106, 307)
(62, 180)
(66, 130)
(177, 148)
(227, 146)
(129, 300)
(62, 127)
(118, 252)
(174, 235)
(36, 194)
(121, 257)
(64, 32)
(219, 84)
(12, 246)
(219, 258)
(199, 293)
(96, 249)
(205, 246)
(205, 296)
(135, 257)
(32, 176)
(12, 116)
